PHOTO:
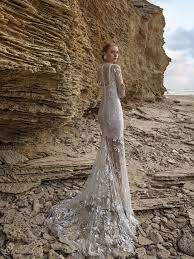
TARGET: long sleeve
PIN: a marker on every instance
(119, 81)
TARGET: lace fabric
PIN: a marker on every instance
(99, 221)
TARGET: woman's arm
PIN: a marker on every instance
(119, 81)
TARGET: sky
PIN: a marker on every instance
(179, 45)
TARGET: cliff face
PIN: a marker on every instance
(49, 51)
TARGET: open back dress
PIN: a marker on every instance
(99, 222)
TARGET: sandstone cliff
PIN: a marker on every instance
(49, 135)
(49, 51)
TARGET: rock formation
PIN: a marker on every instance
(49, 51)
(49, 135)
(159, 154)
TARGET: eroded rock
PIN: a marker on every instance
(186, 243)
(49, 59)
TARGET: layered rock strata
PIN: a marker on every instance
(49, 51)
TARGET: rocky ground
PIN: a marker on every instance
(159, 140)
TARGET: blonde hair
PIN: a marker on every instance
(107, 46)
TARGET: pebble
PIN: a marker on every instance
(156, 237)
(144, 241)
(38, 219)
(36, 206)
(170, 224)
(186, 243)
(180, 219)
(171, 161)
(162, 252)
(156, 220)
(48, 237)
(156, 226)
(142, 231)
(170, 216)
(140, 253)
(22, 203)
(53, 255)
(164, 219)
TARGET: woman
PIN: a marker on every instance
(99, 221)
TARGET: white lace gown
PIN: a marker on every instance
(99, 221)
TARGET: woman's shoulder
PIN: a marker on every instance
(108, 64)
(116, 67)
(113, 66)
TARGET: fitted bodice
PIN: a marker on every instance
(110, 113)
(107, 81)
(109, 77)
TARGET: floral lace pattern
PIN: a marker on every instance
(99, 221)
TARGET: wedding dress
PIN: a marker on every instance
(99, 221)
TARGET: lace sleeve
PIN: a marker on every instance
(119, 81)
